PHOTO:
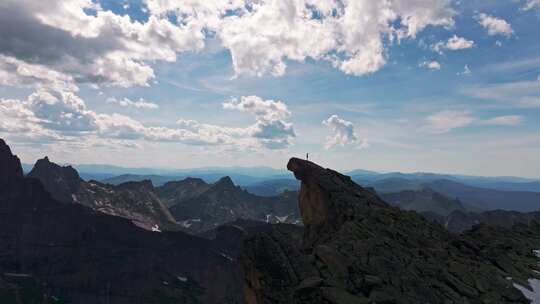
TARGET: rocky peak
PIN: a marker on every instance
(327, 198)
(60, 181)
(224, 183)
(10, 165)
(44, 167)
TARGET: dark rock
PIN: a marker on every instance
(10, 165)
(61, 182)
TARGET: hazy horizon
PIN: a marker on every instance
(430, 86)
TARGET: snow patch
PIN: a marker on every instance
(534, 294)
(226, 256)
(155, 228)
(282, 219)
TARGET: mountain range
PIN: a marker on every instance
(191, 204)
(352, 247)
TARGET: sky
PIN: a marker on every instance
(394, 85)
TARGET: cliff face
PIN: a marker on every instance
(357, 249)
(328, 199)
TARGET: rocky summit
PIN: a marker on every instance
(357, 249)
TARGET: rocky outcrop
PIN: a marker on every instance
(357, 249)
(328, 199)
(10, 165)
(53, 252)
(135, 201)
(61, 182)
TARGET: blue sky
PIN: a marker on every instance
(442, 86)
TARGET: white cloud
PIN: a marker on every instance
(62, 115)
(61, 110)
(126, 102)
(262, 36)
(454, 43)
(264, 109)
(342, 133)
(494, 25)
(432, 65)
(270, 127)
(531, 4)
(445, 121)
(78, 41)
(102, 48)
(509, 120)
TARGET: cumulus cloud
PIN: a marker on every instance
(270, 127)
(432, 65)
(80, 42)
(262, 36)
(139, 104)
(342, 133)
(494, 25)
(62, 115)
(62, 111)
(454, 43)
(83, 47)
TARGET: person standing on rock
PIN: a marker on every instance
(307, 156)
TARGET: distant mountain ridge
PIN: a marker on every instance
(489, 199)
(199, 206)
(252, 175)
(426, 200)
